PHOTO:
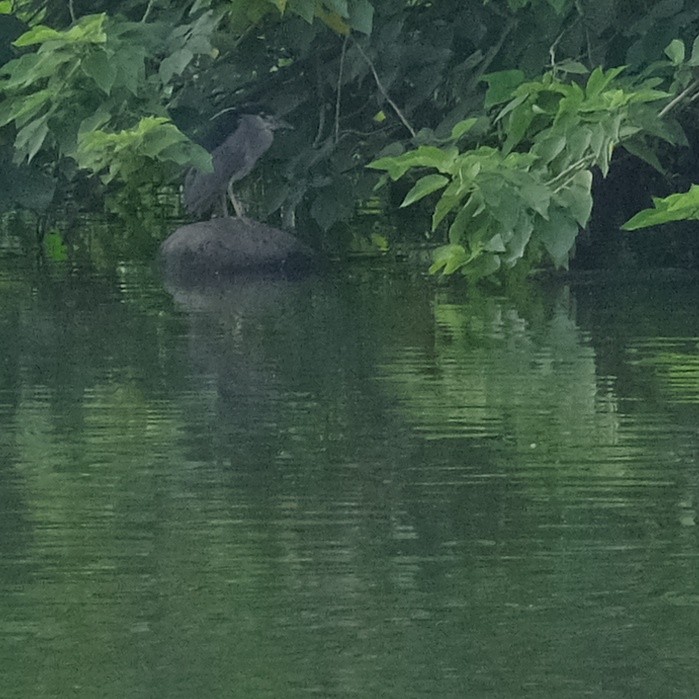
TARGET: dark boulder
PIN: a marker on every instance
(230, 247)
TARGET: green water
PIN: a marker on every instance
(352, 485)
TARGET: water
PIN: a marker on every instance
(354, 485)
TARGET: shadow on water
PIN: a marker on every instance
(299, 353)
(356, 484)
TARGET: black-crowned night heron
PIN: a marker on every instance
(235, 158)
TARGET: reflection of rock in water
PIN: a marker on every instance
(227, 247)
(234, 356)
(250, 295)
(282, 369)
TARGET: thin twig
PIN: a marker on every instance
(472, 85)
(144, 19)
(574, 168)
(71, 9)
(322, 108)
(671, 105)
(581, 17)
(553, 47)
(321, 125)
(244, 36)
(338, 92)
(382, 90)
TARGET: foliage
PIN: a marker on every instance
(685, 205)
(676, 207)
(63, 97)
(506, 202)
(89, 85)
(131, 154)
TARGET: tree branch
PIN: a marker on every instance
(673, 103)
(144, 19)
(383, 91)
(338, 92)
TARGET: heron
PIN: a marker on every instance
(235, 158)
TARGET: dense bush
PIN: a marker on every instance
(506, 108)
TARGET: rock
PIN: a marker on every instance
(229, 247)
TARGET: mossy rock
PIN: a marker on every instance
(231, 247)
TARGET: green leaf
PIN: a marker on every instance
(88, 30)
(560, 6)
(395, 167)
(576, 198)
(423, 187)
(30, 69)
(21, 111)
(569, 107)
(99, 66)
(175, 64)
(519, 122)
(648, 96)
(158, 139)
(38, 35)
(677, 207)
(449, 258)
(501, 199)
(694, 58)
(424, 156)
(501, 85)
(304, 8)
(31, 137)
(455, 262)
(54, 247)
(495, 244)
(130, 65)
(649, 155)
(468, 216)
(338, 6)
(578, 143)
(534, 195)
(516, 245)
(95, 121)
(548, 147)
(450, 199)
(462, 128)
(558, 236)
(190, 154)
(361, 16)
(380, 242)
(570, 66)
(675, 52)
(483, 265)
(599, 80)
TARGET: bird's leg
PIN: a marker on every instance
(224, 204)
(289, 218)
(239, 210)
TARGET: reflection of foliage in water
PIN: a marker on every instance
(94, 241)
(675, 365)
(233, 479)
(493, 374)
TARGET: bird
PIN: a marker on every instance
(232, 160)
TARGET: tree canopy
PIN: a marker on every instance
(496, 113)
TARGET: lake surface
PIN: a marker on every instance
(359, 484)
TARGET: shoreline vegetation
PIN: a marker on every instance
(509, 135)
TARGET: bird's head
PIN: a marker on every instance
(274, 123)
